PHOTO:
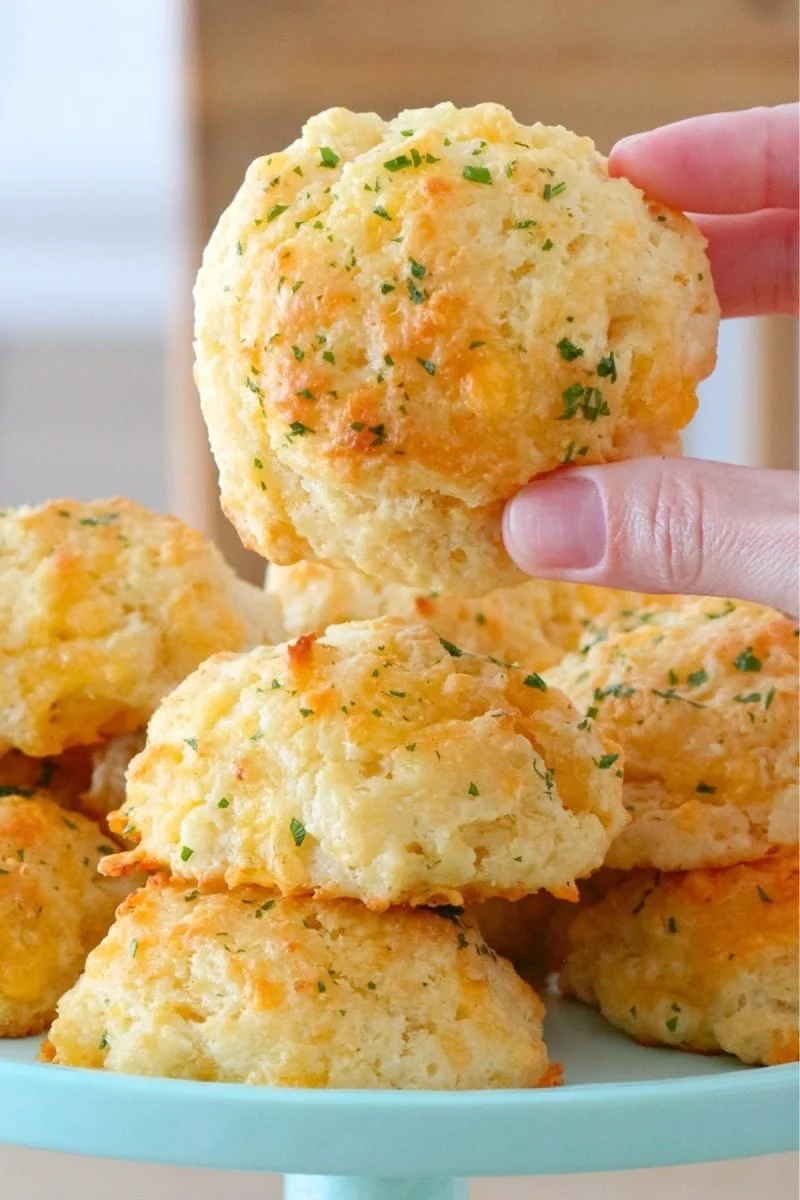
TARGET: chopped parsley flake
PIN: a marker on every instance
(298, 429)
(105, 519)
(608, 367)
(415, 295)
(547, 244)
(328, 356)
(472, 790)
(186, 853)
(427, 365)
(381, 212)
(763, 896)
(528, 224)
(192, 742)
(727, 608)
(477, 174)
(705, 789)
(239, 250)
(534, 680)
(298, 353)
(475, 345)
(581, 451)
(672, 925)
(672, 1023)
(276, 211)
(263, 908)
(606, 761)
(747, 661)
(386, 288)
(134, 946)
(671, 694)
(553, 189)
(696, 678)
(298, 831)
(224, 803)
(398, 164)
(329, 157)
(568, 350)
(306, 712)
(452, 650)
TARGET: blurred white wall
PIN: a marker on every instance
(91, 164)
(90, 147)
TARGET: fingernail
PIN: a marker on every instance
(556, 524)
(627, 143)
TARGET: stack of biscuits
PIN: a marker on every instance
(104, 607)
(398, 324)
(690, 938)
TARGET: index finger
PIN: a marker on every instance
(722, 163)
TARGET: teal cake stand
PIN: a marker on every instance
(622, 1106)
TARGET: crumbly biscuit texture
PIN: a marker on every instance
(242, 987)
(702, 696)
(104, 607)
(534, 623)
(700, 960)
(399, 323)
(54, 907)
(378, 762)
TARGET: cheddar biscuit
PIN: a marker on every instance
(701, 960)
(241, 987)
(534, 623)
(104, 607)
(702, 697)
(54, 907)
(379, 762)
(399, 323)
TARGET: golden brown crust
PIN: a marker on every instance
(700, 960)
(702, 696)
(239, 986)
(391, 342)
(104, 607)
(54, 907)
(377, 762)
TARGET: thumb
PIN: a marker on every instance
(662, 525)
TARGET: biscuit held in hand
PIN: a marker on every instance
(242, 987)
(399, 323)
(378, 762)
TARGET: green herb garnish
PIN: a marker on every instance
(477, 174)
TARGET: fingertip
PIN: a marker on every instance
(624, 153)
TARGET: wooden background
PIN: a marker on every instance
(256, 69)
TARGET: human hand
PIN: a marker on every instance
(672, 525)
